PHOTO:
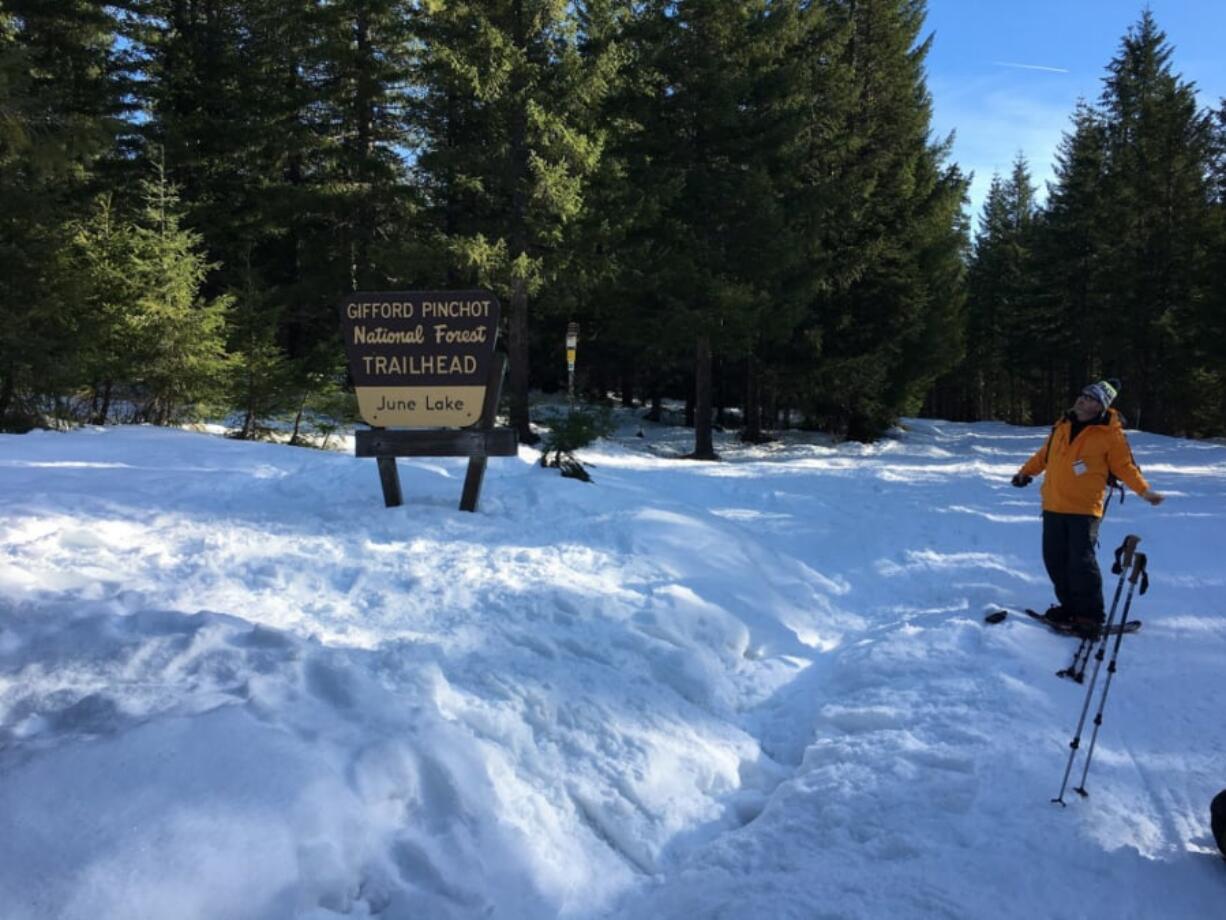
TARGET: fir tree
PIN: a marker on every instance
(58, 105)
(261, 379)
(899, 241)
(105, 259)
(1158, 147)
(713, 250)
(1211, 319)
(1004, 319)
(508, 153)
(285, 125)
(1071, 248)
(175, 339)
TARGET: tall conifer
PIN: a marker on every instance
(508, 152)
(59, 102)
(886, 326)
(1158, 145)
(1071, 249)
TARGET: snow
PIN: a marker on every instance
(233, 685)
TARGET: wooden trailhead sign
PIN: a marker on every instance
(425, 361)
(420, 359)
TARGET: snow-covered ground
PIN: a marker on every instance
(233, 685)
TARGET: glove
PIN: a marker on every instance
(1154, 498)
(1021, 481)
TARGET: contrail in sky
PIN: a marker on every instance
(1031, 67)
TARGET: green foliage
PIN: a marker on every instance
(322, 402)
(739, 200)
(1003, 304)
(1116, 275)
(261, 381)
(578, 428)
(57, 100)
(147, 326)
(887, 309)
(327, 408)
(509, 144)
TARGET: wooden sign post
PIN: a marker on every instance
(425, 361)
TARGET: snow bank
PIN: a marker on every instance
(233, 685)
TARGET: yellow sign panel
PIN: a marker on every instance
(415, 407)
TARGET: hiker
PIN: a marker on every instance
(1085, 447)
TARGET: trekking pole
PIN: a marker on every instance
(1111, 490)
(1123, 562)
(1138, 572)
(1120, 566)
(1077, 668)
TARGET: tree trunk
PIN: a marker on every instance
(627, 376)
(451, 211)
(294, 438)
(104, 413)
(517, 326)
(517, 352)
(6, 399)
(364, 112)
(704, 448)
(753, 403)
(657, 405)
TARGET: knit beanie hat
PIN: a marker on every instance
(1104, 391)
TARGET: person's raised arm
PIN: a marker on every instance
(1121, 463)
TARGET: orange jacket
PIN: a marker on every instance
(1076, 479)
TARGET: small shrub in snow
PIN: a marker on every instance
(577, 428)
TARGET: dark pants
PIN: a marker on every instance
(1069, 542)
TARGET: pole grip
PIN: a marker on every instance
(1124, 554)
(1138, 571)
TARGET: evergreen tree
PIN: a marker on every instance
(1004, 320)
(363, 70)
(285, 124)
(1157, 204)
(59, 100)
(507, 153)
(105, 260)
(1070, 268)
(154, 333)
(713, 248)
(800, 86)
(623, 232)
(262, 378)
(1118, 276)
(985, 348)
(1210, 338)
(706, 60)
(884, 324)
(595, 288)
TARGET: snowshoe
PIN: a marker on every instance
(1067, 627)
(1081, 627)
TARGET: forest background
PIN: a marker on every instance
(740, 201)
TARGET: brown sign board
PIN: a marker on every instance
(420, 359)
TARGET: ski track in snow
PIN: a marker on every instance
(233, 685)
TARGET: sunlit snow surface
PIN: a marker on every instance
(233, 685)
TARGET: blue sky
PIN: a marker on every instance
(986, 82)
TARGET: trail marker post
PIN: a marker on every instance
(572, 347)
